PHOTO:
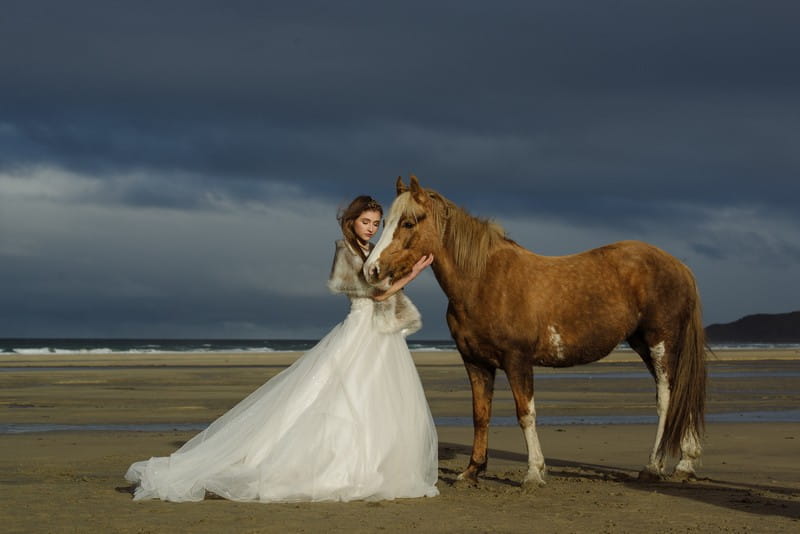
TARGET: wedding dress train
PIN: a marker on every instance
(348, 420)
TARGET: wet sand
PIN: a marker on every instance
(67, 481)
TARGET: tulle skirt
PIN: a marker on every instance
(348, 420)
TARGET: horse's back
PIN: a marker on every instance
(623, 260)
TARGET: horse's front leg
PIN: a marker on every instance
(520, 378)
(482, 381)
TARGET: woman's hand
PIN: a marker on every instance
(420, 266)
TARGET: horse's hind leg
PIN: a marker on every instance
(655, 359)
(520, 378)
(482, 381)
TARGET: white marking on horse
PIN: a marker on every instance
(556, 342)
(658, 353)
(536, 467)
(386, 237)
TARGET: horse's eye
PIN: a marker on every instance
(408, 224)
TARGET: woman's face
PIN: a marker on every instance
(366, 225)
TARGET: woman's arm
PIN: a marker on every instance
(418, 267)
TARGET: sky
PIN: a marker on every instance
(173, 168)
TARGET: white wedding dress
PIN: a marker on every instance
(348, 420)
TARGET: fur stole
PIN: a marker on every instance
(346, 276)
(395, 314)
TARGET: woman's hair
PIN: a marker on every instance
(349, 215)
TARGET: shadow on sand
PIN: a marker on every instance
(751, 498)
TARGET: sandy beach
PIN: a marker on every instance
(72, 480)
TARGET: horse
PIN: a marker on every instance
(511, 309)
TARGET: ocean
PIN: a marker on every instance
(136, 346)
(144, 346)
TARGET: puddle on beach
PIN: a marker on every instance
(784, 416)
(540, 374)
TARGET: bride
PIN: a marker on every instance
(348, 420)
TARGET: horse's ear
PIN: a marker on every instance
(401, 187)
(416, 190)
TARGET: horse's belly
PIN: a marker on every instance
(557, 353)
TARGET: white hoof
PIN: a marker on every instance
(533, 480)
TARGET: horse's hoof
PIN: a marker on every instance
(684, 476)
(466, 480)
(531, 485)
(646, 475)
(465, 483)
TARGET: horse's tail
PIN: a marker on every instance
(688, 384)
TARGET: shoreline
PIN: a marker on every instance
(421, 357)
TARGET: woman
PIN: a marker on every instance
(348, 420)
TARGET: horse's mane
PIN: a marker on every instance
(470, 239)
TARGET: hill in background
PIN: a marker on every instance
(760, 328)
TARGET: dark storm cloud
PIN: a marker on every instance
(243, 315)
(668, 100)
(675, 122)
(748, 246)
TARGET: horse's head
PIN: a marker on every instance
(411, 231)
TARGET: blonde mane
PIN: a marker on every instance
(470, 239)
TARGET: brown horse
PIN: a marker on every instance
(512, 309)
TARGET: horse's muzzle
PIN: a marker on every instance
(370, 271)
(372, 274)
